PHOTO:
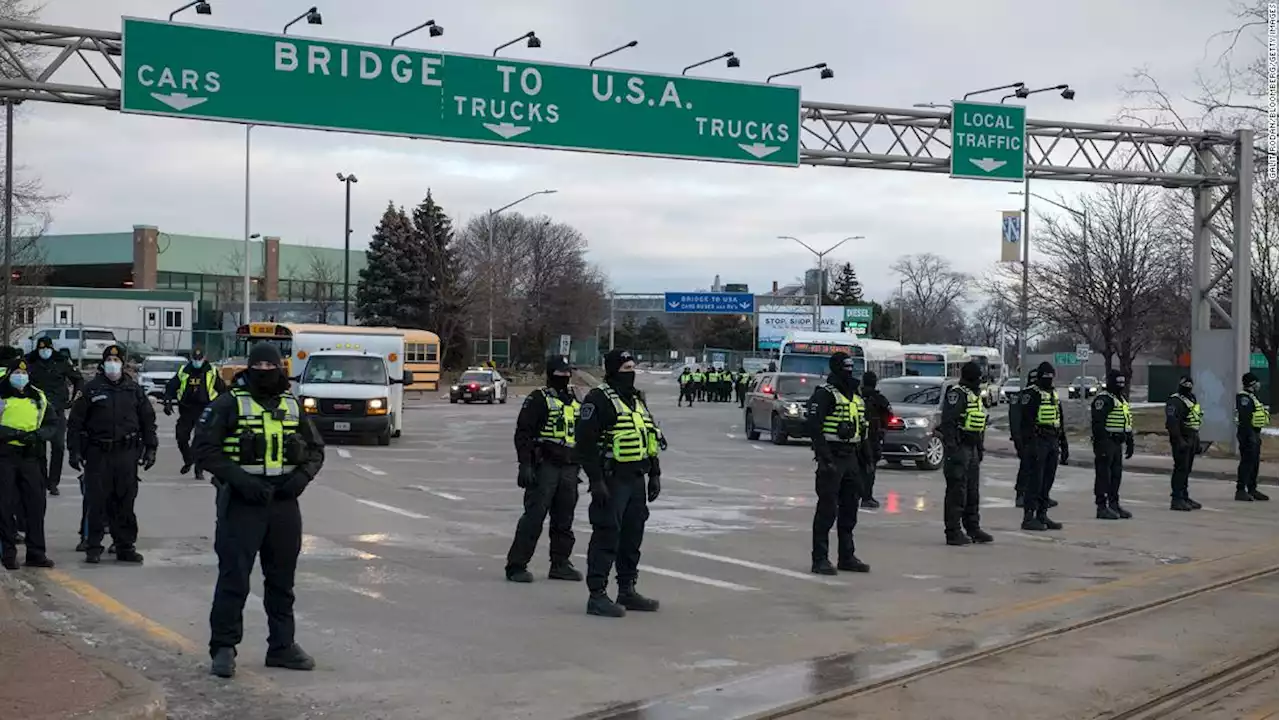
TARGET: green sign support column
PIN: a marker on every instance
(988, 141)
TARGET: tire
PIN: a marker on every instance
(490, 401)
(453, 401)
(384, 437)
(932, 459)
(503, 399)
(777, 435)
(749, 427)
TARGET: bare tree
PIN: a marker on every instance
(228, 278)
(322, 283)
(930, 298)
(1108, 284)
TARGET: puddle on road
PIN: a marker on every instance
(704, 521)
(185, 553)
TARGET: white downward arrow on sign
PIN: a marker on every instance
(179, 101)
(988, 164)
(759, 150)
(506, 130)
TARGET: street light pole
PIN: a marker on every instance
(8, 222)
(493, 214)
(620, 48)
(248, 278)
(347, 180)
(817, 305)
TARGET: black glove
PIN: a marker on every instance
(655, 486)
(295, 485)
(168, 409)
(75, 461)
(598, 487)
(1063, 454)
(1197, 448)
(526, 477)
(981, 453)
(1128, 448)
(826, 464)
(254, 491)
(148, 459)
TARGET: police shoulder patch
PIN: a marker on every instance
(588, 410)
(953, 396)
(206, 415)
(1244, 401)
(1100, 403)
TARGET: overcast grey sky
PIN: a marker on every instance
(652, 224)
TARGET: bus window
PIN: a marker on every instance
(243, 345)
(421, 352)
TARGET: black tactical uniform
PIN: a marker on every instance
(1251, 417)
(1182, 418)
(618, 445)
(26, 424)
(878, 413)
(111, 431)
(262, 452)
(1045, 439)
(686, 388)
(963, 430)
(193, 387)
(545, 437)
(836, 421)
(1016, 402)
(1112, 432)
(740, 382)
(59, 380)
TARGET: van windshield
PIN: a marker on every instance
(352, 370)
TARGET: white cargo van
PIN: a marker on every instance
(352, 385)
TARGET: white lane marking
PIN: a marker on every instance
(370, 469)
(437, 493)
(1027, 535)
(343, 452)
(713, 486)
(712, 582)
(756, 446)
(922, 577)
(758, 566)
(393, 509)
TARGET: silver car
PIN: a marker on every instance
(917, 409)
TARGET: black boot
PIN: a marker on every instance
(1019, 500)
(1051, 503)
(955, 537)
(38, 561)
(632, 600)
(1120, 510)
(128, 555)
(1180, 505)
(1253, 492)
(564, 571)
(1243, 495)
(9, 558)
(823, 567)
(291, 658)
(224, 662)
(1106, 512)
(54, 491)
(851, 563)
(1031, 522)
(1194, 505)
(93, 556)
(186, 468)
(870, 503)
(1049, 523)
(520, 575)
(199, 474)
(82, 545)
(978, 535)
(600, 604)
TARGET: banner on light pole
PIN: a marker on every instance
(1011, 236)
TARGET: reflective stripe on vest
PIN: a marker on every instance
(1261, 417)
(1120, 419)
(846, 410)
(1047, 413)
(562, 417)
(184, 377)
(1194, 415)
(633, 436)
(251, 415)
(23, 414)
(975, 415)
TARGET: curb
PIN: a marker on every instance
(1147, 470)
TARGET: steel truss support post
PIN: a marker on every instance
(32, 84)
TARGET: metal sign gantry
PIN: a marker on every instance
(1216, 168)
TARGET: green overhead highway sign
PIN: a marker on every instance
(233, 75)
(988, 141)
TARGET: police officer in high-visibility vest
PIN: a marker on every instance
(963, 429)
(25, 425)
(741, 381)
(618, 446)
(1251, 417)
(1045, 439)
(1112, 426)
(262, 452)
(699, 384)
(1182, 418)
(687, 385)
(111, 431)
(548, 473)
(193, 387)
(1015, 434)
(837, 425)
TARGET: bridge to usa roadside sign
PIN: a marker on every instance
(207, 73)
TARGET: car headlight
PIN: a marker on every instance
(309, 405)
(793, 409)
(453, 387)
(376, 406)
(916, 422)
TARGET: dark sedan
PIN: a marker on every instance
(775, 403)
(917, 409)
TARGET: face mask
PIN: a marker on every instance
(1186, 388)
(1045, 381)
(197, 364)
(559, 382)
(18, 380)
(265, 382)
(46, 353)
(624, 379)
(113, 368)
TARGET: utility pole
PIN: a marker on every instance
(8, 222)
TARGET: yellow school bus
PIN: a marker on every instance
(422, 348)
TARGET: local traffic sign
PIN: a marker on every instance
(208, 73)
(988, 141)
(710, 302)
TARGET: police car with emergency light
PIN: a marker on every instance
(479, 384)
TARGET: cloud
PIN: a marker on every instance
(652, 224)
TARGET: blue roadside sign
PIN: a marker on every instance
(710, 302)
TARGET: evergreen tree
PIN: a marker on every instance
(653, 337)
(847, 290)
(444, 302)
(386, 292)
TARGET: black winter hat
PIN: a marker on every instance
(970, 372)
(869, 379)
(265, 352)
(557, 364)
(840, 362)
(1045, 369)
(614, 359)
(1249, 379)
(114, 351)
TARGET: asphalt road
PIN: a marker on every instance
(402, 600)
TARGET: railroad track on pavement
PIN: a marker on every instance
(1236, 674)
(1191, 699)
